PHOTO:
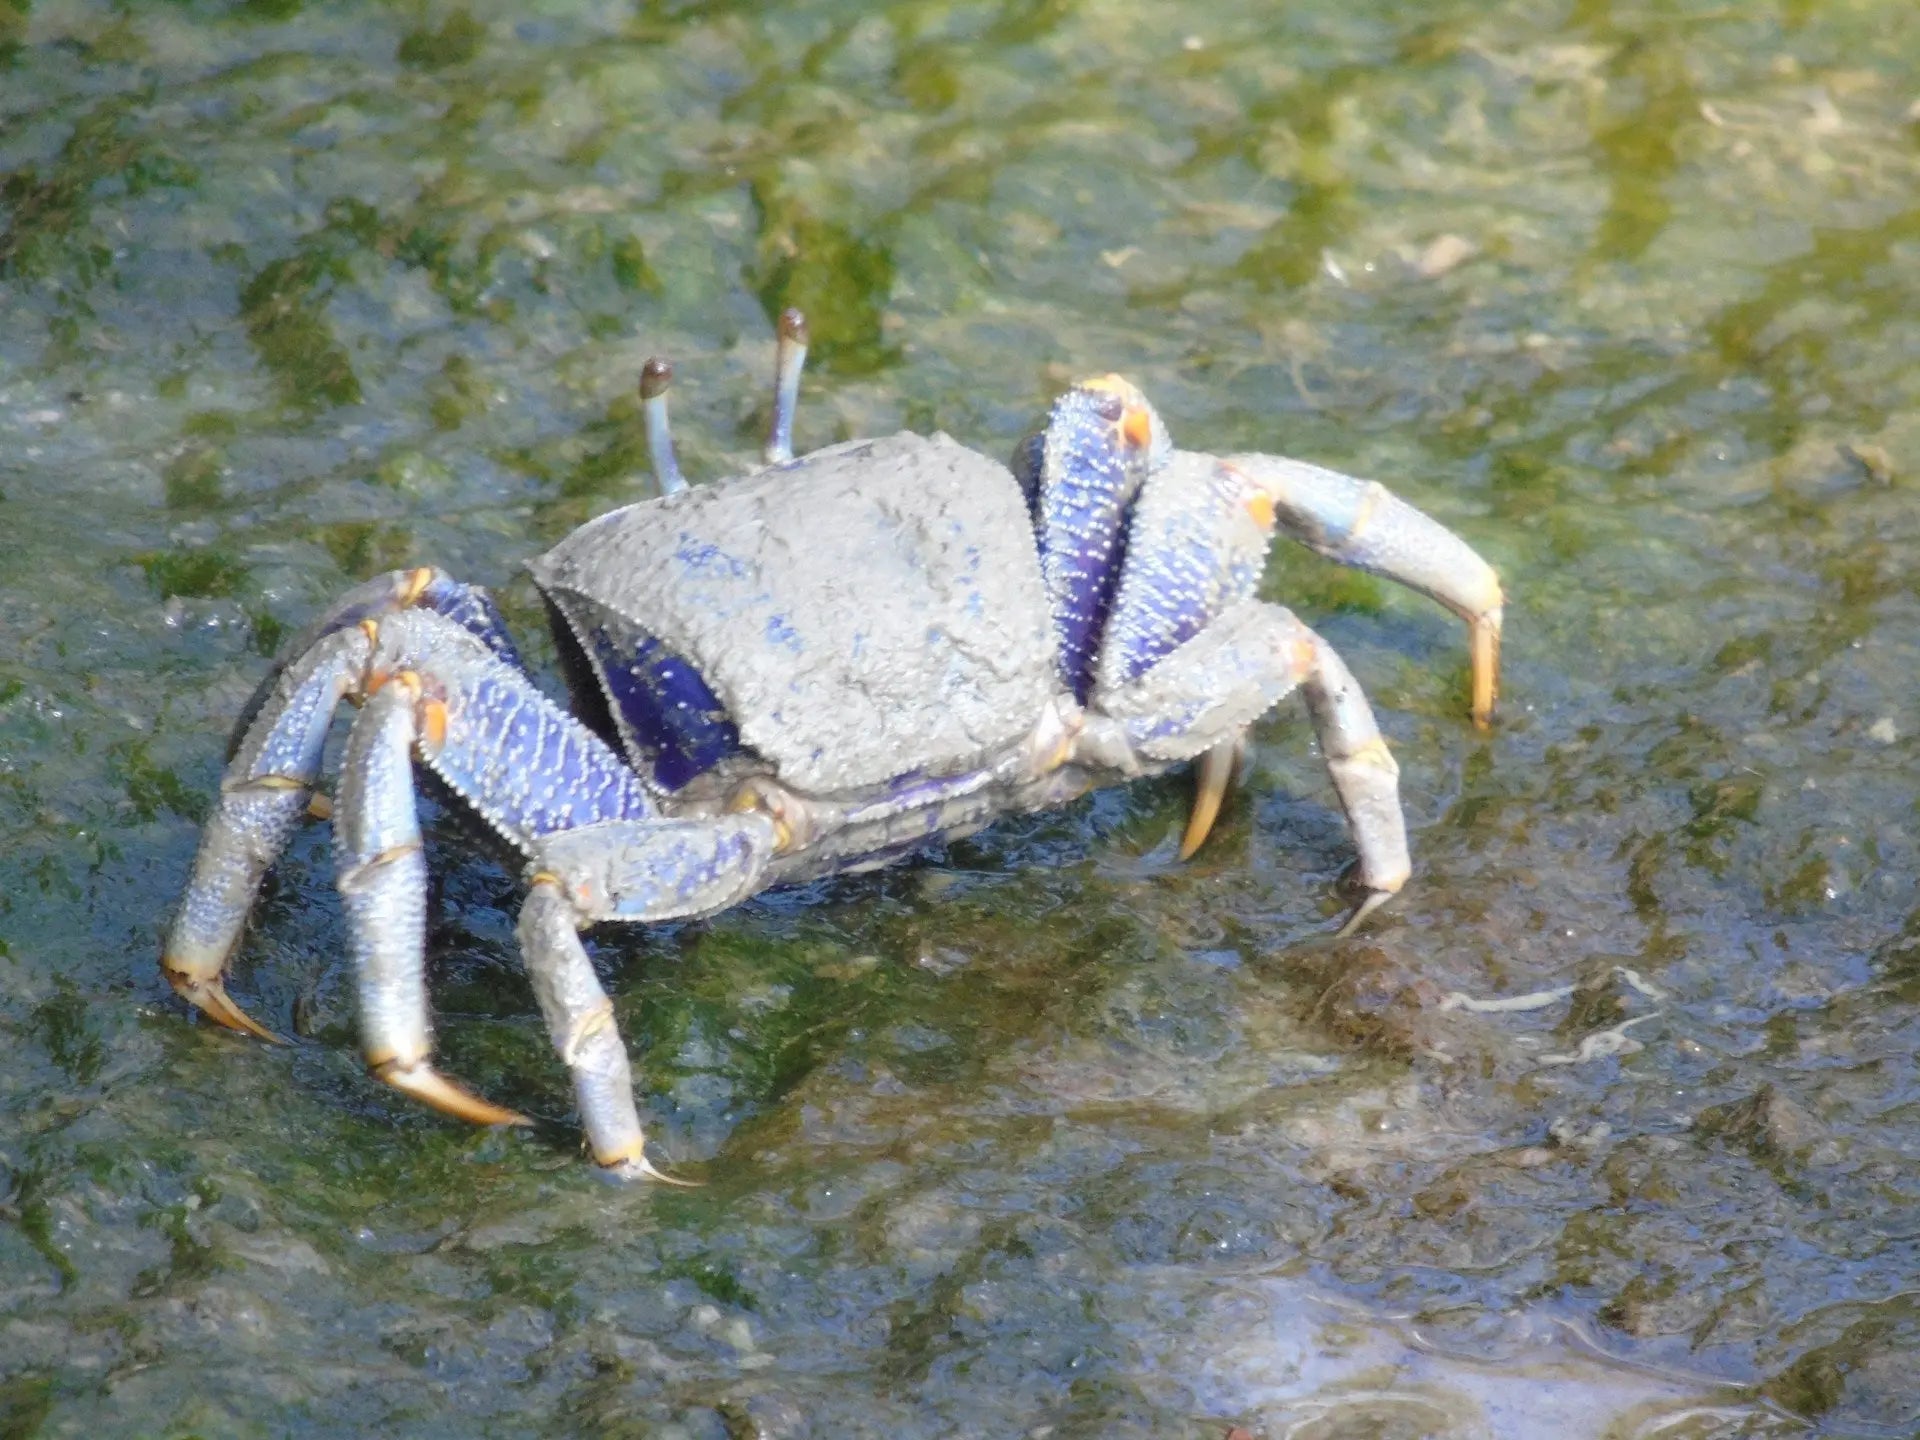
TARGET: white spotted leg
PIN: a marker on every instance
(580, 1019)
(435, 691)
(263, 797)
(274, 766)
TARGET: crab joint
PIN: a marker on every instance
(1055, 737)
(430, 710)
(1255, 498)
(378, 680)
(433, 722)
(792, 826)
(583, 1028)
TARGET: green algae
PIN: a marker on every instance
(1049, 1134)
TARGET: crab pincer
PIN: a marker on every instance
(1363, 524)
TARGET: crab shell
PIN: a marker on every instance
(872, 611)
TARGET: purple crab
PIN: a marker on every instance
(816, 667)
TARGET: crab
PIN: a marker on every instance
(820, 666)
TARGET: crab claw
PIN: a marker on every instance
(1101, 441)
(638, 1167)
(1212, 775)
(1363, 524)
(208, 994)
(428, 1085)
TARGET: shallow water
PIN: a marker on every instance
(1049, 1135)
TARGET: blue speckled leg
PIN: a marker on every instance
(426, 588)
(630, 871)
(1196, 547)
(580, 1019)
(1363, 524)
(265, 791)
(436, 693)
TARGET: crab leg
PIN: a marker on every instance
(598, 851)
(580, 1018)
(262, 798)
(1365, 774)
(1200, 700)
(423, 588)
(789, 356)
(1363, 524)
(656, 378)
(383, 882)
(644, 870)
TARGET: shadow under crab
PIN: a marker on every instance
(815, 667)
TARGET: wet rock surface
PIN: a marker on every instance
(1606, 1127)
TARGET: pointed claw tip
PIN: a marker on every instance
(1211, 778)
(1373, 901)
(1486, 667)
(638, 1167)
(209, 996)
(430, 1087)
(1195, 835)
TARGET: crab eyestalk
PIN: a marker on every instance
(789, 357)
(656, 378)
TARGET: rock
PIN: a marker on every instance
(1443, 254)
(1768, 1124)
